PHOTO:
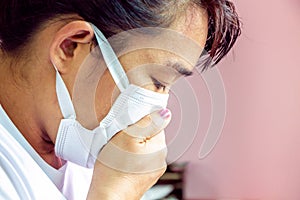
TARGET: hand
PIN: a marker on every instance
(132, 161)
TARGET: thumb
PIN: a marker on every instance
(150, 125)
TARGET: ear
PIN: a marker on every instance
(67, 40)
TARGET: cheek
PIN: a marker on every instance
(105, 96)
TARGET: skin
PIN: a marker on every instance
(66, 44)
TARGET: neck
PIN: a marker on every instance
(18, 100)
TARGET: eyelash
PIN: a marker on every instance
(158, 84)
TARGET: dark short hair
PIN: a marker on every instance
(19, 19)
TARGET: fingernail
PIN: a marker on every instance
(165, 113)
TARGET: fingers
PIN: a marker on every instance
(137, 159)
(142, 149)
(150, 125)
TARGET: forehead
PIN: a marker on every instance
(192, 23)
(182, 42)
(186, 37)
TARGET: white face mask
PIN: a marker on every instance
(79, 145)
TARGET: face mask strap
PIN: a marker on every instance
(64, 98)
(111, 60)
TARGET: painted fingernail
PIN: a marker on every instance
(165, 113)
(167, 116)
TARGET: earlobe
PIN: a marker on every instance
(67, 40)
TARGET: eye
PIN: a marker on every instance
(158, 84)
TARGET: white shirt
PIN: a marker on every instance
(25, 175)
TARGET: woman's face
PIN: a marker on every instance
(173, 54)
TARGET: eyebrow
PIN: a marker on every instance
(180, 68)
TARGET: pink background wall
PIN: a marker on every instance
(258, 154)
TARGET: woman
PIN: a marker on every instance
(43, 44)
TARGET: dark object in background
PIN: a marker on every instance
(174, 176)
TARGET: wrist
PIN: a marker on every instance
(109, 184)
